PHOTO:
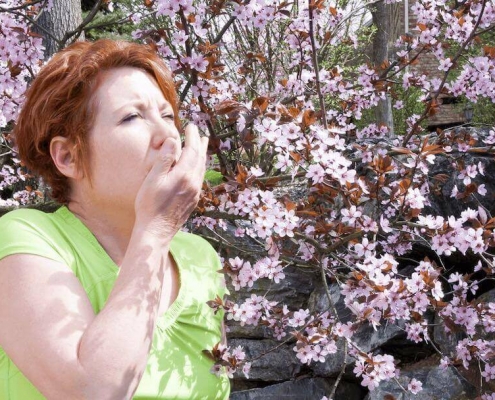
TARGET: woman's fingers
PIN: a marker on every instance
(165, 160)
(168, 152)
(193, 157)
(171, 190)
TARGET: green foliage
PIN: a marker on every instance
(213, 177)
(483, 111)
(412, 104)
(411, 99)
(111, 25)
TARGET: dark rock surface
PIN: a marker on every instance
(278, 365)
(303, 389)
(438, 384)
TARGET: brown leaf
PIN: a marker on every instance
(261, 103)
(307, 213)
(228, 106)
(295, 156)
(401, 150)
(14, 69)
(490, 224)
(257, 56)
(441, 177)
(433, 107)
(489, 51)
(242, 174)
(309, 118)
(290, 205)
(422, 27)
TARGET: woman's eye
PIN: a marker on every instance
(130, 117)
(168, 116)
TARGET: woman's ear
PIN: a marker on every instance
(63, 155)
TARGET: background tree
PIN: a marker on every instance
(58, 24)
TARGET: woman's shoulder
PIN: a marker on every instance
(30, 231)
(25, 217)
(202, 263)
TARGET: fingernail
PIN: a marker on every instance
(203, 133)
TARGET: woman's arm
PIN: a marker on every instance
(47, 325)
(50, 331)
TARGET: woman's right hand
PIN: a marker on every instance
(171, 189)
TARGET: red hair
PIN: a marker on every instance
(58, 103)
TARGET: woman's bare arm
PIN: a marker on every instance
(50, 331)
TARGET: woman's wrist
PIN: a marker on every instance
(152, 233)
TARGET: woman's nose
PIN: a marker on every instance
(161, 130)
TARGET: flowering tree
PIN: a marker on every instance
(285, 91)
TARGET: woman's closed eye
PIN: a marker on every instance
(168, 116)
(131, 117)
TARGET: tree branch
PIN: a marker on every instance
(34, 23)
(315, 65)
(77, 32)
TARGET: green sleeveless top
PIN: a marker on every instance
(177, 367)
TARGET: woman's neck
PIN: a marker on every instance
(112, 228)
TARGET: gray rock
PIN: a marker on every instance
(445, 340)
(318, 301)
(488, 297)
(368, 339)
(304, 389)
(281, 364)
(333, 363)
(438, 384)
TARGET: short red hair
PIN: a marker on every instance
(58, 103)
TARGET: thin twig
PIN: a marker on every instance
(341, 374)
(315, 65)
(106, 24)
(34, 23)
(77, 32)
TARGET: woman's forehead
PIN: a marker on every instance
(120, 86)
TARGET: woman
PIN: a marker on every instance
(106, 298)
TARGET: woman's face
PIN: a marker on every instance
(132, 121)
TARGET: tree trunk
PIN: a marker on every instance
(65, 16)
(386, 21)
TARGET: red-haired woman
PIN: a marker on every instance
(106, 298)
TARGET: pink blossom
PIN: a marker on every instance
(350, 215)
(415, 386)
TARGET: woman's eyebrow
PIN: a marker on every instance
(142, 104)
(165, 104)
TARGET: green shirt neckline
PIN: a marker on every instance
(169, 317)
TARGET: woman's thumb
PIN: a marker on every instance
(166, 155)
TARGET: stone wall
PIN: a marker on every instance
(279, 375)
